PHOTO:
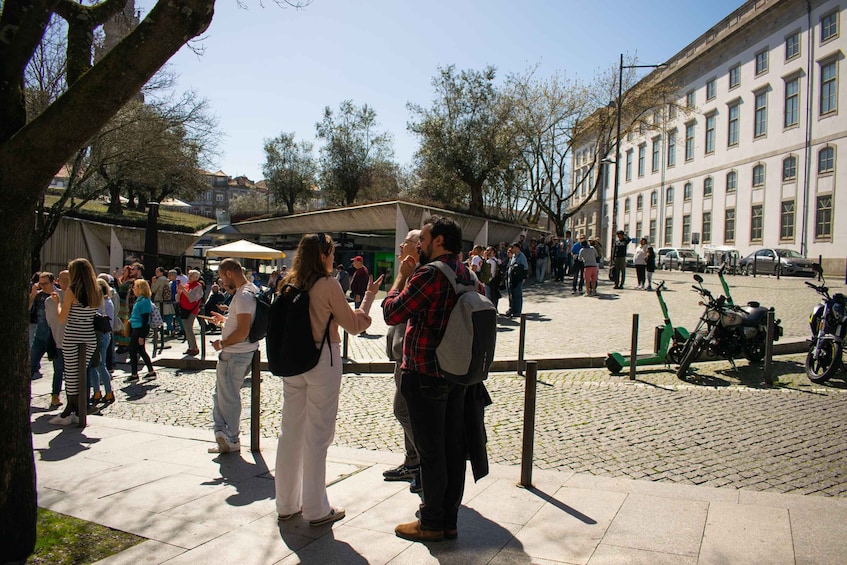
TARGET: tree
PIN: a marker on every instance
(353, 148)
(44, 144)
(465, 135)
(290, 170)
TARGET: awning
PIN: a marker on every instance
(244, 249)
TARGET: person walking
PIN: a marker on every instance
(589, 258)
(650, 266)
(639, 260)
(578, 271)
(235, 355)
(424, 298)
(410, 468)
(190, 297)
(310, 400)
(619, 258)
(516, 273)
(359, 282)
(80, 302)
(139, 323)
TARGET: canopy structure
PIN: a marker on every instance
(244, 249)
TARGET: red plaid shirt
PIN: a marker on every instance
(426, 302)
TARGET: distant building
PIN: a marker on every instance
(222, 189)
(747, 154)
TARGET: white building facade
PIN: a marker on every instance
(748, 153)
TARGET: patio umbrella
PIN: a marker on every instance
(245, 250)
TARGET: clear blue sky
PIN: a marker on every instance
(269, 70)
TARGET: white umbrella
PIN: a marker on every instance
(245, 250)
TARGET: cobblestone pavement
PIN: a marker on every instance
(722, 429)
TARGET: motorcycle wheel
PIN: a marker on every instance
(824, 367)
(689, 353)
(673, 354)
(755, 352)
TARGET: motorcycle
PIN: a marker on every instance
(829, 324)
(726, 330)
(670, 340)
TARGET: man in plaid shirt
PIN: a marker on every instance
(425, 298)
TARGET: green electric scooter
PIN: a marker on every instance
(669, 346)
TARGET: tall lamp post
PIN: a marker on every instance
(621, 67)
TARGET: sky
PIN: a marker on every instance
(268, 70)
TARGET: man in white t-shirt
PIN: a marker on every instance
(236, 355)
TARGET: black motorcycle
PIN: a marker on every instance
(726, 330)
(829, 323)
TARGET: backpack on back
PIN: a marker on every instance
(290, 346)
(467, 347)
(259, 325)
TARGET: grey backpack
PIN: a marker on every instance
(467, 347)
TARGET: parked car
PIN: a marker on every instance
(682, 258)
(765, 262)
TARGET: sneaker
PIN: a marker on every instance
(413, 532)
(224, 445)
(416, 487)
(150, 375)
(66, 421)
(401, 473)
(334, 515)
(132, 378)
(55, 401)
(109, 398)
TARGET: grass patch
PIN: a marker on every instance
(97, 211)
(64, 540)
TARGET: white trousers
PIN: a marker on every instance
(309, 408)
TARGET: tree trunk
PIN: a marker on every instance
(17, 466)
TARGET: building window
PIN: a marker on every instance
(786, 220)
(734, 76)
(638, 227)
(792, 102)
(710, 134)
(656, 153)
(789, 168)
(707, 227)
(686, 191)
(686, 229)
(219, 198)
(652, 231)
(669, 195)
(829, 88)
(626, 206)
(668, 232)
(689, 142)
(826, 160)
(823, 218)
(731, 181)
(761, 62)
(605, 172)
(657, 118)
(654, 199)
(756, 223)
(792, 46)
(708, 183)
(642, 149)
(672, 148)
(758, 176)
(729, 225)
(689, 100)
(629, 165)
(671, 111)
(639, 202)
(829, 26)
(710, 90)
(760, 126)
(732, 125)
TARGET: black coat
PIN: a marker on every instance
(476, 399)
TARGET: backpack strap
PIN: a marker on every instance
(458, 286)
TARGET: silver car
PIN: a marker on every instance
(765, 262)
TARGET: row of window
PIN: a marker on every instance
(823, 224)
(826, 165)
(828, 32)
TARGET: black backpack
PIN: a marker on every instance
(290, 347)
(259, 326)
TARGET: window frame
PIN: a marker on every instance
(656, 154)
(669, 195)
(760, 114)
(711, 89)
(828, 162)
(670, 161)
(654, 199)
(785, 225)
(761, 62)
(687, 191)
(792, 101)
(707, 193)
(734, 76)
(823, 218)
(642, 149)
(690, 99)
(828, 89)
(757, 222)
(706, 227)
(835, 24)
(709, 139)
(689, 140)
(734, 175)
(668, 235)
(733, 132)
(729, 225)
(639, 202)
(628, 169)
(792, 168)
(792, 43)
(758, 175)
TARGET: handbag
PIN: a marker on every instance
(102, 323)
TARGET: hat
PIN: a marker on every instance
(357, 258)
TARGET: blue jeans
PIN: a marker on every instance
(516, 299)
(99, 374)
(36, 351)
(226, 400)
(58, 371)
(540, 269)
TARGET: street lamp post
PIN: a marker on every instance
(621, 67)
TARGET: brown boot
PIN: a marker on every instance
(413, 532)
(55, 401)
